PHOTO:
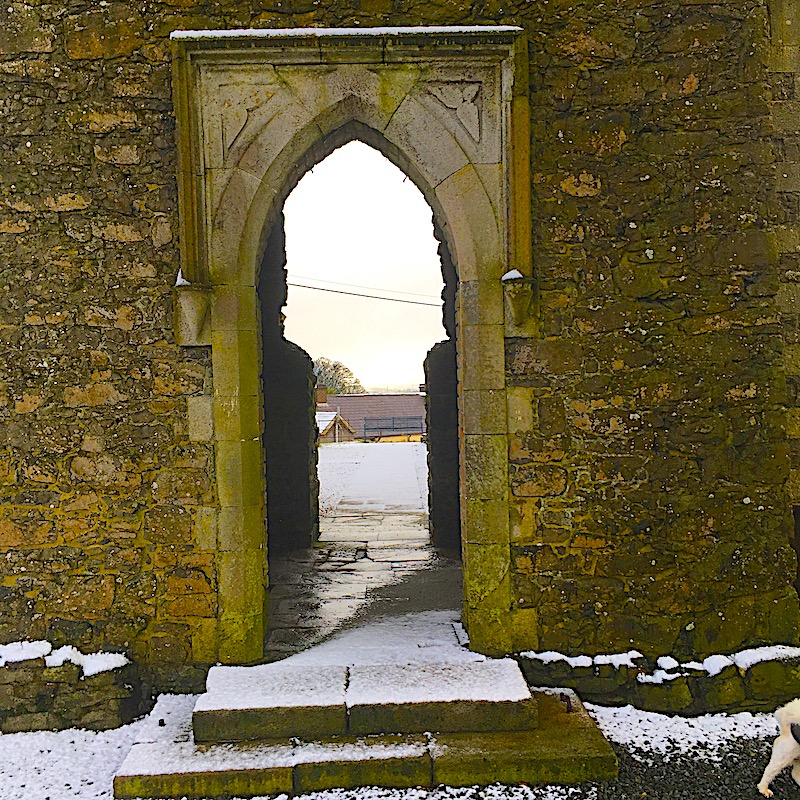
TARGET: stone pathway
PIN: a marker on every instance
(374, 556)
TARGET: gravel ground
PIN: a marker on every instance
(679, 777)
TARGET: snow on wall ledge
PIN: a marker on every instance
(42, 688)
(755, 679)
(90, 663)
(270, 33)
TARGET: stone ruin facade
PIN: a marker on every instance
(628, 407)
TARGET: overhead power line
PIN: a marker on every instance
(370, 296)
(358, 286)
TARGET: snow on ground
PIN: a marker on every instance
(63, 765)
(79, 765)
(645, 733)
(358, 477)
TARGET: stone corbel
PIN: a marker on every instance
(192, 315)
(521, 297)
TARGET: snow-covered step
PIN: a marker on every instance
(282, 700)
(489, 695)
(271, 701)
(165, 762)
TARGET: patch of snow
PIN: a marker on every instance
(461, 634)
(91, 663)
(618, 660)
(490, 680)
(549, 656)
(63, 765)
(713, 665)
(645, 732)
(779, 652)
(556, 691)
(615, 659)
(170, 719)
(269, 33)
(359, 477)
(95, 663)
(273, 686)
(14, 652)
(422, 637)
(658, 677)
(512, 275)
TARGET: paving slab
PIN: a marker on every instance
(271, 701)
(485, 695)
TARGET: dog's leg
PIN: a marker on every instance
(796, 771)
(784, 752)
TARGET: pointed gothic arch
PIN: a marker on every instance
(257, 109)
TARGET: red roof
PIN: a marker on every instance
(354, 408)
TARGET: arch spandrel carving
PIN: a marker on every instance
(256, 111)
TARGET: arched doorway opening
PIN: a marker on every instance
(255, 109)
(384, 501)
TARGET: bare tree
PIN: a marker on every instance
(338, 378)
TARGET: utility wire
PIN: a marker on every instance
(357, 286)
(370, 296)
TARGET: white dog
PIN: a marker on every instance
(786, 749)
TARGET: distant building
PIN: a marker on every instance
(377, 417)
(333, 428)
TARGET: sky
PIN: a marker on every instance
(355, 223)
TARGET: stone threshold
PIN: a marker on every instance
(166, 762)
(280, 700)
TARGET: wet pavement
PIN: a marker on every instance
(366, 565)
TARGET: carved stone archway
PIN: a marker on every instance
(255, 110)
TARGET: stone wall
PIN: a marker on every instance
(106, 491)
(646, 403)
(650, 457)
(759, 687)
(784, 77)
(34, 697)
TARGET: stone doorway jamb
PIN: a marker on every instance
(255, 110)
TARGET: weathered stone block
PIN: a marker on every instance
(485, 467)
(671, 696)
(116, 30)
(167, 524)
(22, 30)
(444, 716)
(566, 748)
(42, 721)
(399, 773)
(538, 480)
(305, 722)
(527, 360)
(485, 521)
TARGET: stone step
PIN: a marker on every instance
(282, 700)
(166, 762)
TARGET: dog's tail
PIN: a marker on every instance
(788, 714)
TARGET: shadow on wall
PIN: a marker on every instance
(289, 437)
